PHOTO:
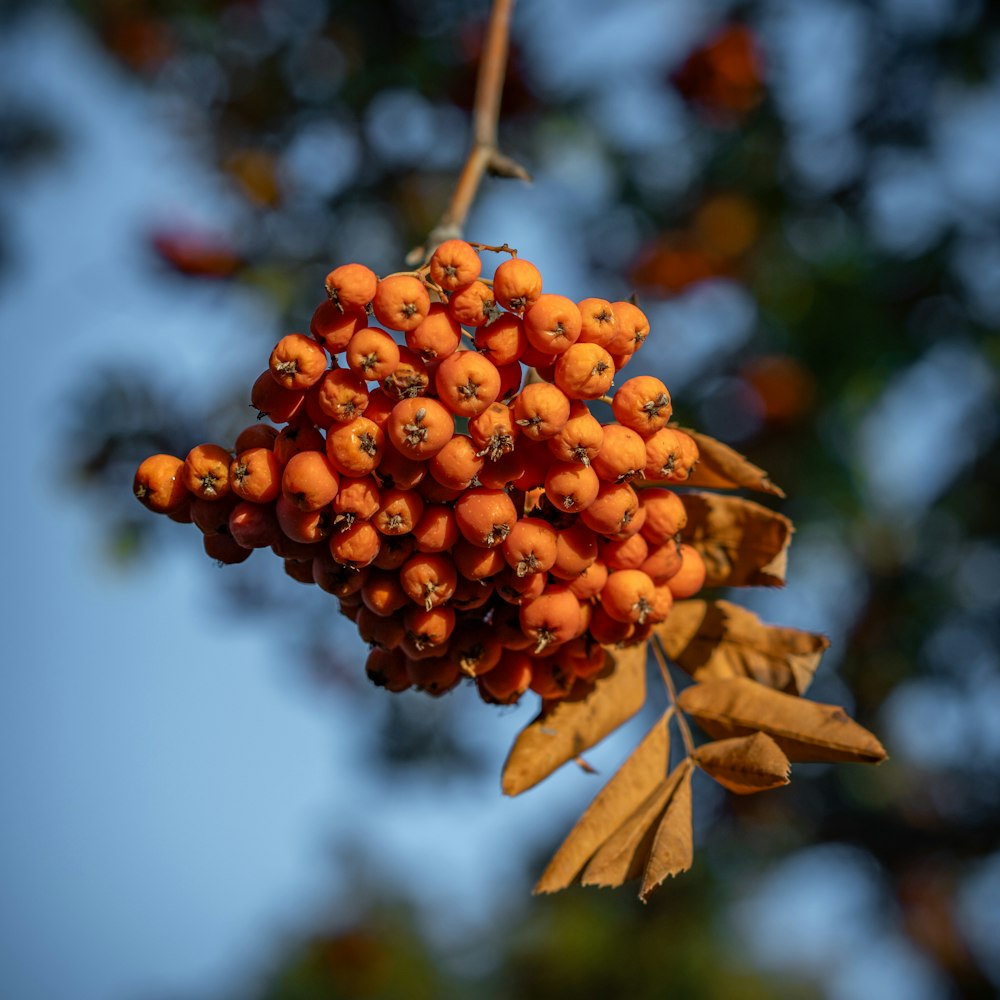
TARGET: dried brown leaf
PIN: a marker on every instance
(569, 728)
(673, 846)
(716, 639)
(805, 730)
(614, 803)
(624, 854)
(744, 764)
(720, 467)
(743, 543)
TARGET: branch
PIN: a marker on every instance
(484, 155)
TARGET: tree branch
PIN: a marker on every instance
(484, 155)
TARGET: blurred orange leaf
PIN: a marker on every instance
(717, 639)
(805, 730)
(567, 729)
(628, 787)
(744, 764)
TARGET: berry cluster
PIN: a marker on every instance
(469, 524)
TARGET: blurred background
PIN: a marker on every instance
(202, 796)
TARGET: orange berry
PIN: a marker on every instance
(297, 436)
(309, 481)
(510, 380)
(428, 578)
(537, 462)
(508, 680)
(385, 631)
(211, 517)
(437, 336)
(614, 508)
(472, 305)
(502, 341)
(436, 531)
(571, 487)
(690, 578)
(401, 302)
(410, 378)
(457, 464)
(493, 431)
(398, 512)
(356, 447)
(485, 517)
(474, 648)
(580, 438)
(300, 570)
(434, 675)
(395, 550)
(584, 371)
(598, 322)
(551, 677)
(467, 383)
(517, 284)
(356, 545)
(433, 492)
(472, 594)
(633, 328)
(666, 515)
(335, 578)
(379, 407)
(531, 546)
(670, 455)
(206, 471)
(398, 471)
(372, 354)
(541, 410)
(516, 589)
(303, 526)
(383, 594)
(274, 401)
(552, 324)
(420, 427)
(312, 412)
(356, 499)
(159, 483)
(253, 525)
(297, 362)
(624, 553)
(386, 668)
(225, 550)
(351, 286)
(576, 549)
(505, 470)
(632, 525)
(628, 596)
(453, 264)
(551, 618)
(333, 327)
(609, 631)
(590, 582)
(342, 395)
(476, 563)
(255, 436)
(428, 628)
(255, 475)
(663, 562)
(643, 404)
(622, 455)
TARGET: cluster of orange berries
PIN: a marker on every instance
(470, 525)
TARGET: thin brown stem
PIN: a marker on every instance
(661, 661)
(484, 155)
